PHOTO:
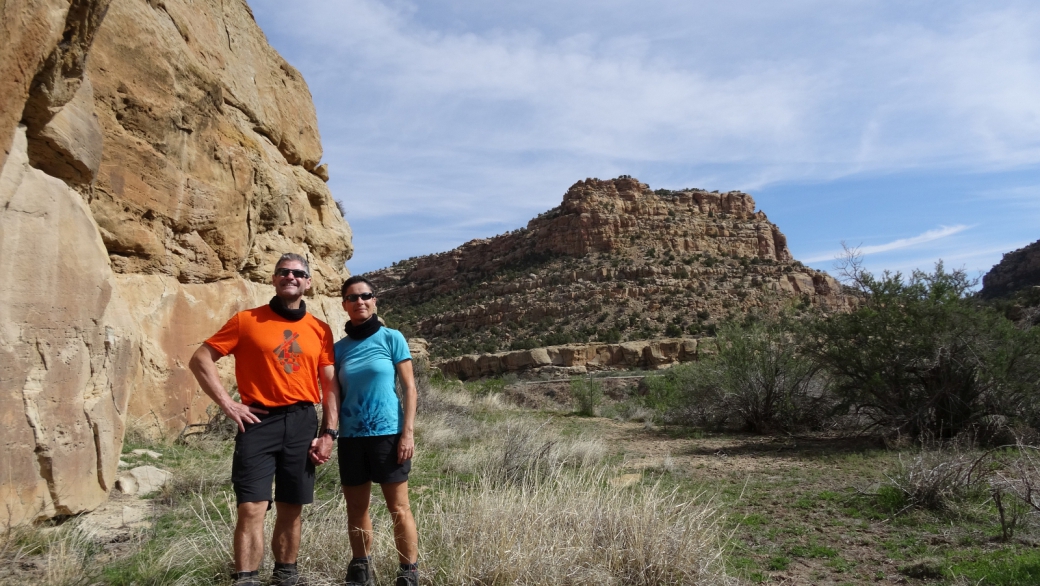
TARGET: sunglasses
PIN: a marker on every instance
(298, 273)
(353, 297)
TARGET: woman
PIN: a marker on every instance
(376, 441)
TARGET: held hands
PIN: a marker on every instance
(405, 448)
(321, 449)
(242, 414)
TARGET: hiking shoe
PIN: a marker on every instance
(407, 578)
(359, 573)
(286, 575)
(246, 578)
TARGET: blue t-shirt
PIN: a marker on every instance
(367, 383)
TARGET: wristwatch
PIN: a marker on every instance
(333, 433)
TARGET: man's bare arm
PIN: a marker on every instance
(321, 447)
(203, 365)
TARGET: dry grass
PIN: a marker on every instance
(936, 478)
(570, 529)
(505, 500)
(516, 449)
(66, 552)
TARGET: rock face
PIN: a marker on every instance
(68, 351)
(575, 359)
(615, 261)
(1018, 270)
(157, 159)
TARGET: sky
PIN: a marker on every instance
(908, 129)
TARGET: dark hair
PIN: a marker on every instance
(293, 256)
(354, 281)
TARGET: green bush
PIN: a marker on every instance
(766, 382)
(687, 393)
(757, 381)
(588, 394)
(924, 358)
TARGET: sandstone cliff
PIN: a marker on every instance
(157, 158)
(615, 261)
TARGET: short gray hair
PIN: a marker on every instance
(293, 256)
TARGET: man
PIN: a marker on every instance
(281, 352)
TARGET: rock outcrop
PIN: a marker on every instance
(576, 359)
(157, 159)
(614, 262)
(1017, 270)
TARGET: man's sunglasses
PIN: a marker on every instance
(353, 297)
(298, 273)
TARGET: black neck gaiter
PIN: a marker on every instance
(364, 330)
(278, 306)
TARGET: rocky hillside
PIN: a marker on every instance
(614, 262)
(1016, 271)
(157, 158)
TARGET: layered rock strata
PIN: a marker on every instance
(614, 262)
(157, 159)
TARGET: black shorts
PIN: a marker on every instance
(276, 447)
(371, 459)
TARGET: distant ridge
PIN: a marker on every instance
(1017, 270)
(614, 262)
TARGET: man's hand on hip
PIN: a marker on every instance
(242, 414)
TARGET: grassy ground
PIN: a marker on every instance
(508, 495)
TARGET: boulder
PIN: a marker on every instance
(143, 480)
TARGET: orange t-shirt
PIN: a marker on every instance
(276, 360)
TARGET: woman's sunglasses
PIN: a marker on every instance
(353, 297)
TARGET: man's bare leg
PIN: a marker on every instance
(249, 536)
(285, 542)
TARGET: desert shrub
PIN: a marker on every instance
(938, 478)
(758, 379)
(766, 382)
(689, 394)
(588, 395)
(921, 357)
(487, 386)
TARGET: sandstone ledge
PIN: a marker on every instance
(578, 358)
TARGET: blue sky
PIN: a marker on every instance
(911, 129)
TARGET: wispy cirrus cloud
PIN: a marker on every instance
(901, 243)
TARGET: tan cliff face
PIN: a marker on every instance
(157, 159)
(614, 262)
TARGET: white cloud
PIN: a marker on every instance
(454, 109)
(929, 236)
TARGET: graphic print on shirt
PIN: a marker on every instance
(289, 351)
